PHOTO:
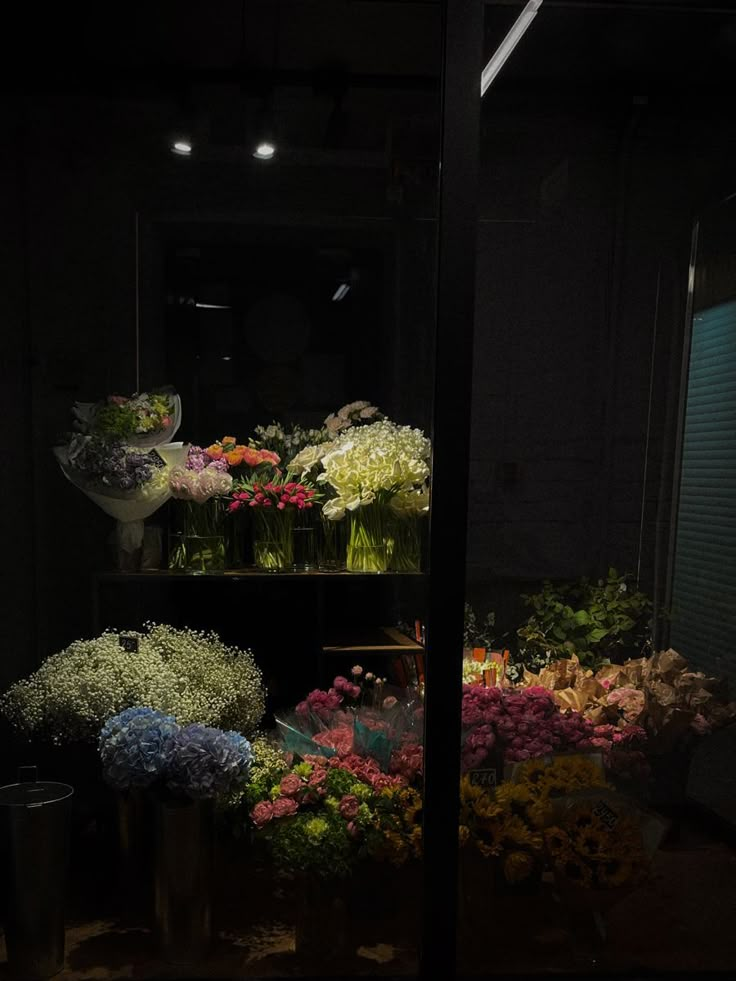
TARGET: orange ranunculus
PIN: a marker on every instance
(215, 451)
(228, 439)
(234, 458)
(251, 456)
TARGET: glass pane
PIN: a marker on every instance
(597, 730)
(222, 241)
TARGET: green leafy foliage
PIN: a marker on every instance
(478, 634)
(601, 621)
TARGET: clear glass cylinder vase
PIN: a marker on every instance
(305, 539)
(368, 542)
(405, 542)
(273, 539)
(198, 544)
(332, 543)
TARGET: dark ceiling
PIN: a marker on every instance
(369, 42)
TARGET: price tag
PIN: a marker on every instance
(483, 778)
(607, 815)
(129, 644)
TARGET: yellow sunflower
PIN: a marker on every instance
(517, 866)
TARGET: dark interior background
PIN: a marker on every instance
(604, 135)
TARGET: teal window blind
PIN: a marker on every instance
(703, 625)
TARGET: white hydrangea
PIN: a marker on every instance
(374, 463)
(189, 674)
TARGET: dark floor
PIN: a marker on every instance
(682, 920)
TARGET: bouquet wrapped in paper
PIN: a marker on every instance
(145, 419)
(127, 483)
(352, 719)
(659, 694)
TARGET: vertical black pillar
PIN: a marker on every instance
(462, 49)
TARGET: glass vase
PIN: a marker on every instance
(238, 540)
(332, 543)
(305, 539)
(198, 547)
(273, 539)
(367, 545)
(405, 543)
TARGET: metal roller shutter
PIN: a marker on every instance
(704, 585)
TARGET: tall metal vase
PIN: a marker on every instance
(183, 878)
(34, 841)
(135, 852)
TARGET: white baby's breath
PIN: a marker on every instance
(189, 674)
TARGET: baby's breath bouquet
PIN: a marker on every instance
(190, 675)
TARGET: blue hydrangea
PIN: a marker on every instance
(118, 722)
(136, 747)
(208, 762)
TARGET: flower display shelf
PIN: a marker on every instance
(251, 573)
(380, 640)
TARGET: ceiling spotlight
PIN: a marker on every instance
(213, 306)
(182, 148)
(341, 292)
(264, 151)
(508, 44)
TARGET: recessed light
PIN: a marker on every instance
(182, 148)
(264, 151)
(341, 292)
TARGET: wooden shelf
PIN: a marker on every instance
(375, 640)
(167, 575)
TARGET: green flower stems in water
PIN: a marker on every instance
(332, 544)
(367, 547)
(273, 538)
(200, 547)
(405, 543)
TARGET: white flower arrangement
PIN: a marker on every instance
(186, 673)
(374, 463)
(309, 458)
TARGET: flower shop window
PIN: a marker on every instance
(597, 723)
(231, 262)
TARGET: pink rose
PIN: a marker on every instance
(262, 813)
(284, 807)
(290, 785)
(349, 807)
(356, 671)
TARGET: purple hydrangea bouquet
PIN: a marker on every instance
(143, 748)
(120, 457)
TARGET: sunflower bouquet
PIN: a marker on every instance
(508, 823)
(600, 840)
